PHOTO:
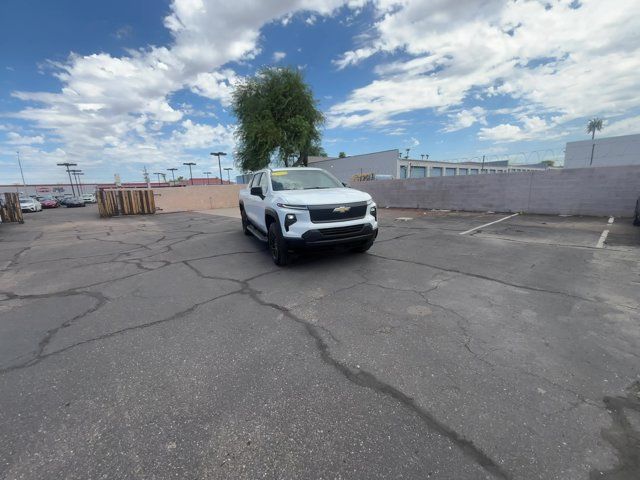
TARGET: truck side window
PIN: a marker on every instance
(264, 183)
(255, 180)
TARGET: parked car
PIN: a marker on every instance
(636, 218)
(74, 202)
(50, 203)
(89, 198)
(28, 204)
(300, 208)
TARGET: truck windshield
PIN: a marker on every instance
(302, 180)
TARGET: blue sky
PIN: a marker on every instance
(120, 85)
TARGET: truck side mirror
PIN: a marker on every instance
(257, 191)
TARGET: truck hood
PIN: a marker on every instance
(323, 196)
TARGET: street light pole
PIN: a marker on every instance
(20, 165)
(75, 175)
(79, 182)
(228, 169)
(157, 174)
(207, 174)
(173, 175)
(219, 154)
(190, 164)
(67, 164)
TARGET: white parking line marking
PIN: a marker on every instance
(602, 239)
(487, 224)
(604, 234)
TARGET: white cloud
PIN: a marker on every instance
(530, 128)
(626, 126)
(117, 109)
(215, 85)
(193, 135)
(278, 56)
(555, 59)
(465, 119)
(14, 138)
(310, 20)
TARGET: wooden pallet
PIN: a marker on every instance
(10, 211)
(113, 203)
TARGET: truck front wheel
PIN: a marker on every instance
(277, 245)
(245, 222)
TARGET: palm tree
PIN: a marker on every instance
(594, 125)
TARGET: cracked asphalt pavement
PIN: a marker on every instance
(170, 346)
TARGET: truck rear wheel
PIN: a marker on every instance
(277, 245)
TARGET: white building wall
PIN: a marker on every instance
(380, 163)
(608, 151)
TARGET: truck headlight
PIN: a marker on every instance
(374, 212)
(289, 219)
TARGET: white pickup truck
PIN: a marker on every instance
(300, 208)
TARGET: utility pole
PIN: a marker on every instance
(228, 169)
(207, 174)
(173, 175)
(20, 165)
(219, 154)
(482, 167)
(157, 174)
(67, 164)
(190, 164)
(407, 156)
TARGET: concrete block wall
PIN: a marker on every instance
(198, 197)
(578, 191)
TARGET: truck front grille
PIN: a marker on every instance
(337, 212)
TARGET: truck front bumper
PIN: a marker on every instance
(330, 237)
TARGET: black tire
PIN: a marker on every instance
(362, 248)
(245, 222)
(277, 245)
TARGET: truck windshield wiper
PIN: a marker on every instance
(314, 188)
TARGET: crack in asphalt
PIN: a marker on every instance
(461, 324)
(623, 436)
(368, 380)
(38, 355)
(495, 280)
(16, 256)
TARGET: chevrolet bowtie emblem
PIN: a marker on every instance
(341, 209)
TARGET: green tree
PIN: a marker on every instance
(342, 155)
(548, 163)
(594, 125)
(278, 119)
(316, 150)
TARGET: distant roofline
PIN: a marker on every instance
(597, 139)
(356, 155)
